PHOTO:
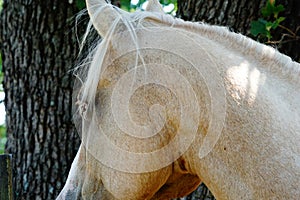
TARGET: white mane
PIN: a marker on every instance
(232, 40)
(282, 63)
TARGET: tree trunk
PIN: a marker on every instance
(290, 47)
(237, 15)
(39, 47)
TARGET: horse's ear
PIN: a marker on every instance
(102, 15)
(154, 6)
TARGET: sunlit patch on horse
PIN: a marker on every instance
(164, 104)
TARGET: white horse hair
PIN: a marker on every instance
(166, 104)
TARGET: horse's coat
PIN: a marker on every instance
(167, 104)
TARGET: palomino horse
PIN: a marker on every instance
(166, 104)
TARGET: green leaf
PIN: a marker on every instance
(270, 9)
(270, 21)
(258, 27)
(277, 10)
(277, 22)
(2, 131)
(3, 138)
(280, 19)
(0, 63)
(267, 11)
(1, 5)
(269, 36)
(126, 5)
(263, 21)
(269, 25)
(80, 4)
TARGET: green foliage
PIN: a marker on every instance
(128, 6)
(263, 26)
(2, 138)
(80, 4)
(271, 9)
(0, 63)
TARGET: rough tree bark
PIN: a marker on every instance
(39, 47)
(237, 16)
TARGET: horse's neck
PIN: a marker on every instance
(257, 147)
(250, 68)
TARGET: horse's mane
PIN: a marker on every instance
(219, 34)
(89, 69)
(239, 42)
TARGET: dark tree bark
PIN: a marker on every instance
(237, 15)
(290, 47)
(39, 47)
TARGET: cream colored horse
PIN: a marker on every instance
(167, 104)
